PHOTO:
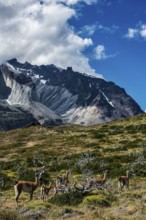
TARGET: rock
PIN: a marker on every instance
(52, 96)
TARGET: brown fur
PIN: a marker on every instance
(26, 186)
(124, 181)
(45, 191)
(99, 181)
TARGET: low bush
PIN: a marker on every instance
(72, 198)
(96, 200)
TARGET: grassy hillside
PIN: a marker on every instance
(85, 151)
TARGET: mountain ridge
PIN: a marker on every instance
(63, 95)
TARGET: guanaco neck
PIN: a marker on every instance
(127, 173)
(37, 181)
(50, 185)
(105, 176)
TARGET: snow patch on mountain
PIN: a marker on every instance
(11, 68)
(107, 99)
(43, 81)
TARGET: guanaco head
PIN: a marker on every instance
(14, 182)
(38, 176)
(68, 172)
(105, 172)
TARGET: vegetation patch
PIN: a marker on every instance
(96, 200)
(87, 152)
(72, 198)
(11, 215)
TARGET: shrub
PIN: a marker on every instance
(71, 198)
(6, 183)
(98, 135)
(96, 200)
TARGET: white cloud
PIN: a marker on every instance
(139, 31)
(90, 29)
(72, 2)
(100, 53)
(143, 31)
(110, 29)
(131, 33)
(38, 31)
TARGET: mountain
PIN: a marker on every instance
(53, 96)
(18, 93)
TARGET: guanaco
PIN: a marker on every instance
(45, 191)
(63, 179)
(123, 181)
(99, 181)
(26, 186)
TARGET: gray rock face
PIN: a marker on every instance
(12, 117)
(4, 90)
(23, 98)
(52, 94)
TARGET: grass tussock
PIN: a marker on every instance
(11, 215)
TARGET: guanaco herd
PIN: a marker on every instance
(62, 185)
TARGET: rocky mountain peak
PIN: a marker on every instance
(53, 95)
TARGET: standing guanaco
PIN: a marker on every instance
(99, 181)
(26, 186)
(45, 191)
(123, 181)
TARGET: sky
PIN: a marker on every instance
(103, 38)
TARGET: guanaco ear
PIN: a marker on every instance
(38, 175)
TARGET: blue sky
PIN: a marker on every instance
(124, 53)
(104, 38)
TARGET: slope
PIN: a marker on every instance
(87, 151)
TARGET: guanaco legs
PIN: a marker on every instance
(123, 181)
(62, 182)
(45, 191)
(99, 181)
(26, 186)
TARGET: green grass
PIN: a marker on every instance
(96, 200)
(85, 151)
